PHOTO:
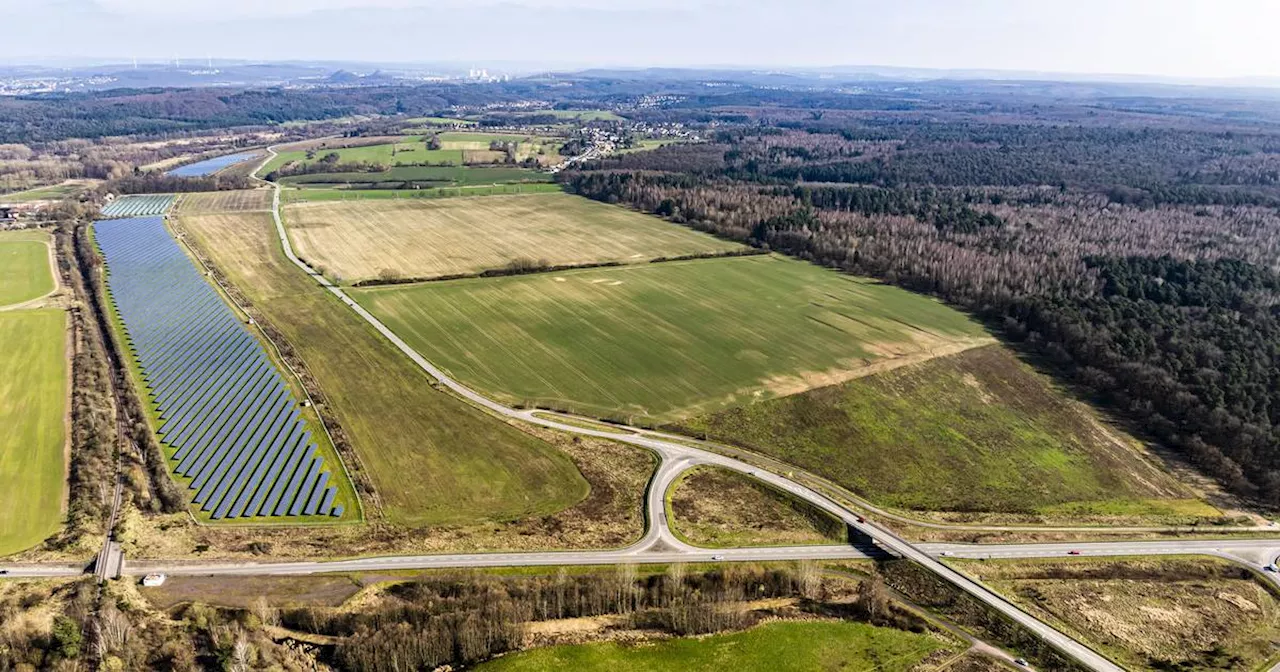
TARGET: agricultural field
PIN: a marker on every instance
(411, 238)
(224, 201)
(658, 342)
(456, 149)
(25, 271)
(974, 431)
(648, 144)
(715, 507)
(421, 176)
(1171, 613)
(775, 647)
(432, 459)
(50, 193)
(33, 409)
(300, 195)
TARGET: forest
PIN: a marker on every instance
(1133, 255)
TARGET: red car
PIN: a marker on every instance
(861, 519)
(1073, 552)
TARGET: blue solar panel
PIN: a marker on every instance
(227, 415)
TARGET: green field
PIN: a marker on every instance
(33, 408)
(25, 273)
(426, 176)
(662, 341)
(433, 459)
(49, 193)
(774, 647)
(456, 148)
(315, 194)
(410, 238)
(976, 431)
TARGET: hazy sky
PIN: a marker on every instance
(1185, 38)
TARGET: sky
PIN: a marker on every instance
(1169, 38)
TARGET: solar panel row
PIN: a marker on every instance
(143, 205)
(234, 427)
(210, 166)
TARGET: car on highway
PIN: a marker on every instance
(717, 557)
(1269, 568)
(1073, 552)
(861, 519)
(1021, 662)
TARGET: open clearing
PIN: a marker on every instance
(1148, 614)
(975, 431)
(656, 342)
(25, 273)
(433, 459)
(33, 408)
(424, 239)
(776, 647)
(715, 507)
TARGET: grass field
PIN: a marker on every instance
(715, 507)
(433, 459)
(775, 647)
(975, 431)
(430, 176)
(49, 193)
(648, 144)
(413, 151)
(423, 239)
(311, 194)
(1149, 614)
(25, 273)
(657, 342)
(33, 408)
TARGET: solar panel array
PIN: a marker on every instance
(144, 205)
(210, 166)
(231, 422)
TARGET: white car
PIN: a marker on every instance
(717, 557)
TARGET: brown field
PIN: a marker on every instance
(224, 201)
(414, 238)
(715, 507)
(1149, 614)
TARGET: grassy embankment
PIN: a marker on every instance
(433, 459)
(1169, 613)
(417, 239)
(715, 507)
(658, 342)
(977, 431)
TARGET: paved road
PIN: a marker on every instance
(681, 453)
